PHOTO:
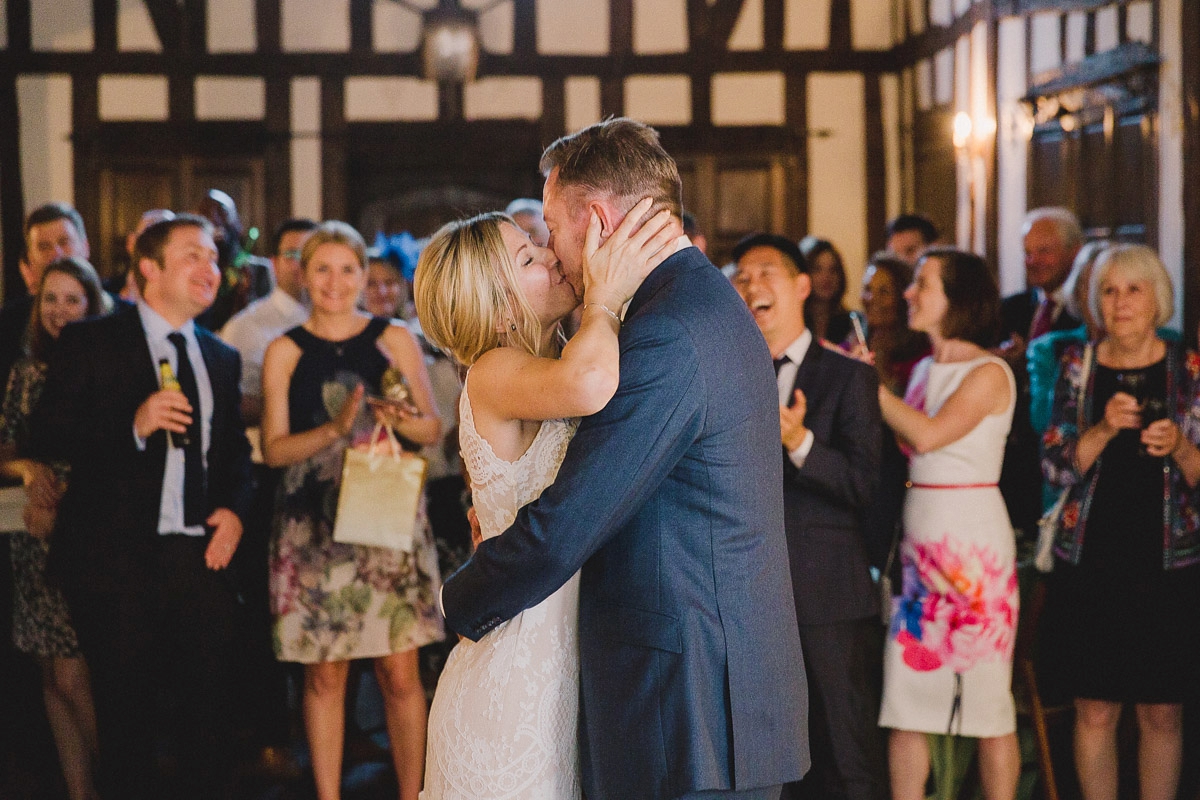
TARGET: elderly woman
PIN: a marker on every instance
(1122, 617)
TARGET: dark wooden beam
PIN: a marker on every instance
(934, 40)
(620, 27)
(333, 146)
(277, 157)
(167, 17)
(195, 26)
(524, 27)
(289, 64)
(876, 163)
(104, 23)
(268, 19)
(773, 17)
(12, 191)
(554, 119)
(85, 120)
(702, 98)
(612, 97)
(796, 121)
(361, 34)
(20, 26)
(839, 26)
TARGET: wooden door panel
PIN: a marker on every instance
(125, 193)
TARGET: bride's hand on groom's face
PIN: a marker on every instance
(613, 271)
(476, 531)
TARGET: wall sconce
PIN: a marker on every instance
(972, 135)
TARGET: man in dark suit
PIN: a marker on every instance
(831, 433)
(692, 679)
(147, 523)
(1052, 238)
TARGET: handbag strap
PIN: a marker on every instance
(391, 438)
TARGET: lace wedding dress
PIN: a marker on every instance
(503, 721)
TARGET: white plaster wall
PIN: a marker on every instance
(306, 147)
(1107, 35)
(572, 27)
(940, 14)
(513, 97)
(917, 21)
(1076, 36)
(1012, 153)
(660, 26)
(659, 99)
(496, 29)
(871, 24)
(1044, 42)
(133, 97)
(746, 98)
(1139, 22)
(943, 76)
(806, 24)
(47, 170)
(232, 26)
(981, 115)
(581, 96)
(396, 29)
(225, 97)
(135, 30)
(837, 171)
(309, 26)
(748, 31)
(924, 80)
(63, 25)
(1170, 142)
(371, 98)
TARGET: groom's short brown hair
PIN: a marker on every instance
(620, 157)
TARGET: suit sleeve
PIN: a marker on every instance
(617, 460)
(238, 490)
(65, 425)
(845, 469)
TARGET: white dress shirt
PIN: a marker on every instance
(257, 325)
(170, 512)
(786, 382)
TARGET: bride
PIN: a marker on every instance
(503, 720)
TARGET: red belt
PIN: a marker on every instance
(912, 485)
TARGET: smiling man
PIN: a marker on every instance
(147, 523)
(831, 435)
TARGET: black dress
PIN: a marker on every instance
(334, 601)
(1117, 626)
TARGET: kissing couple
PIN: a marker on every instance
(629, 629)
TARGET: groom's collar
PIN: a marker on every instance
(687, 258)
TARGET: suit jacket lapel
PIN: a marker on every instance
(807, 376)
(144, 370)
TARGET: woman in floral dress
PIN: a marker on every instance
(332, 601)
(1122, 617)
(69, 291)
(948, 657)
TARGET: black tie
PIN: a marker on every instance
(779, 362)
(193, 464)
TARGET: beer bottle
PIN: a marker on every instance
(169, 381)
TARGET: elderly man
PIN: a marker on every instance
(669, 502)
(1052, 239)
(831, 433)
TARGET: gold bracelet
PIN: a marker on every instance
(605, 309)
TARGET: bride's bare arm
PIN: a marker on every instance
(513, 385)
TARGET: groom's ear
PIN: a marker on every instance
(608, 217)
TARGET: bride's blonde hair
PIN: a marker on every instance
(466, 291)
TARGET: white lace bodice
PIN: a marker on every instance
(498, 487)
(503, 725)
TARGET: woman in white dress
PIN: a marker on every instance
(503, 721)
(948, 657)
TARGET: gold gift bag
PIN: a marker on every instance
(380, 496)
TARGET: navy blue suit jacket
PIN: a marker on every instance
(100, 372)
(670, 501)
(824, 500)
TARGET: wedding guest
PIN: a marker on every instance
(825, 312)
(388, 293)
(244, 277)
(333, 601)
(529, 216)
(68, 292)
(908, 235)
(1121, 623)
(948, 657)
(159, 486)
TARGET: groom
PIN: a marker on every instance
(692, 680)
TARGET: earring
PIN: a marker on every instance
(512, 326)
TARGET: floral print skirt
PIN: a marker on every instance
(948, 657)
(334, 601)
(41, 624)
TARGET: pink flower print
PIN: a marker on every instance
(1070, 515)
(916, 655)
